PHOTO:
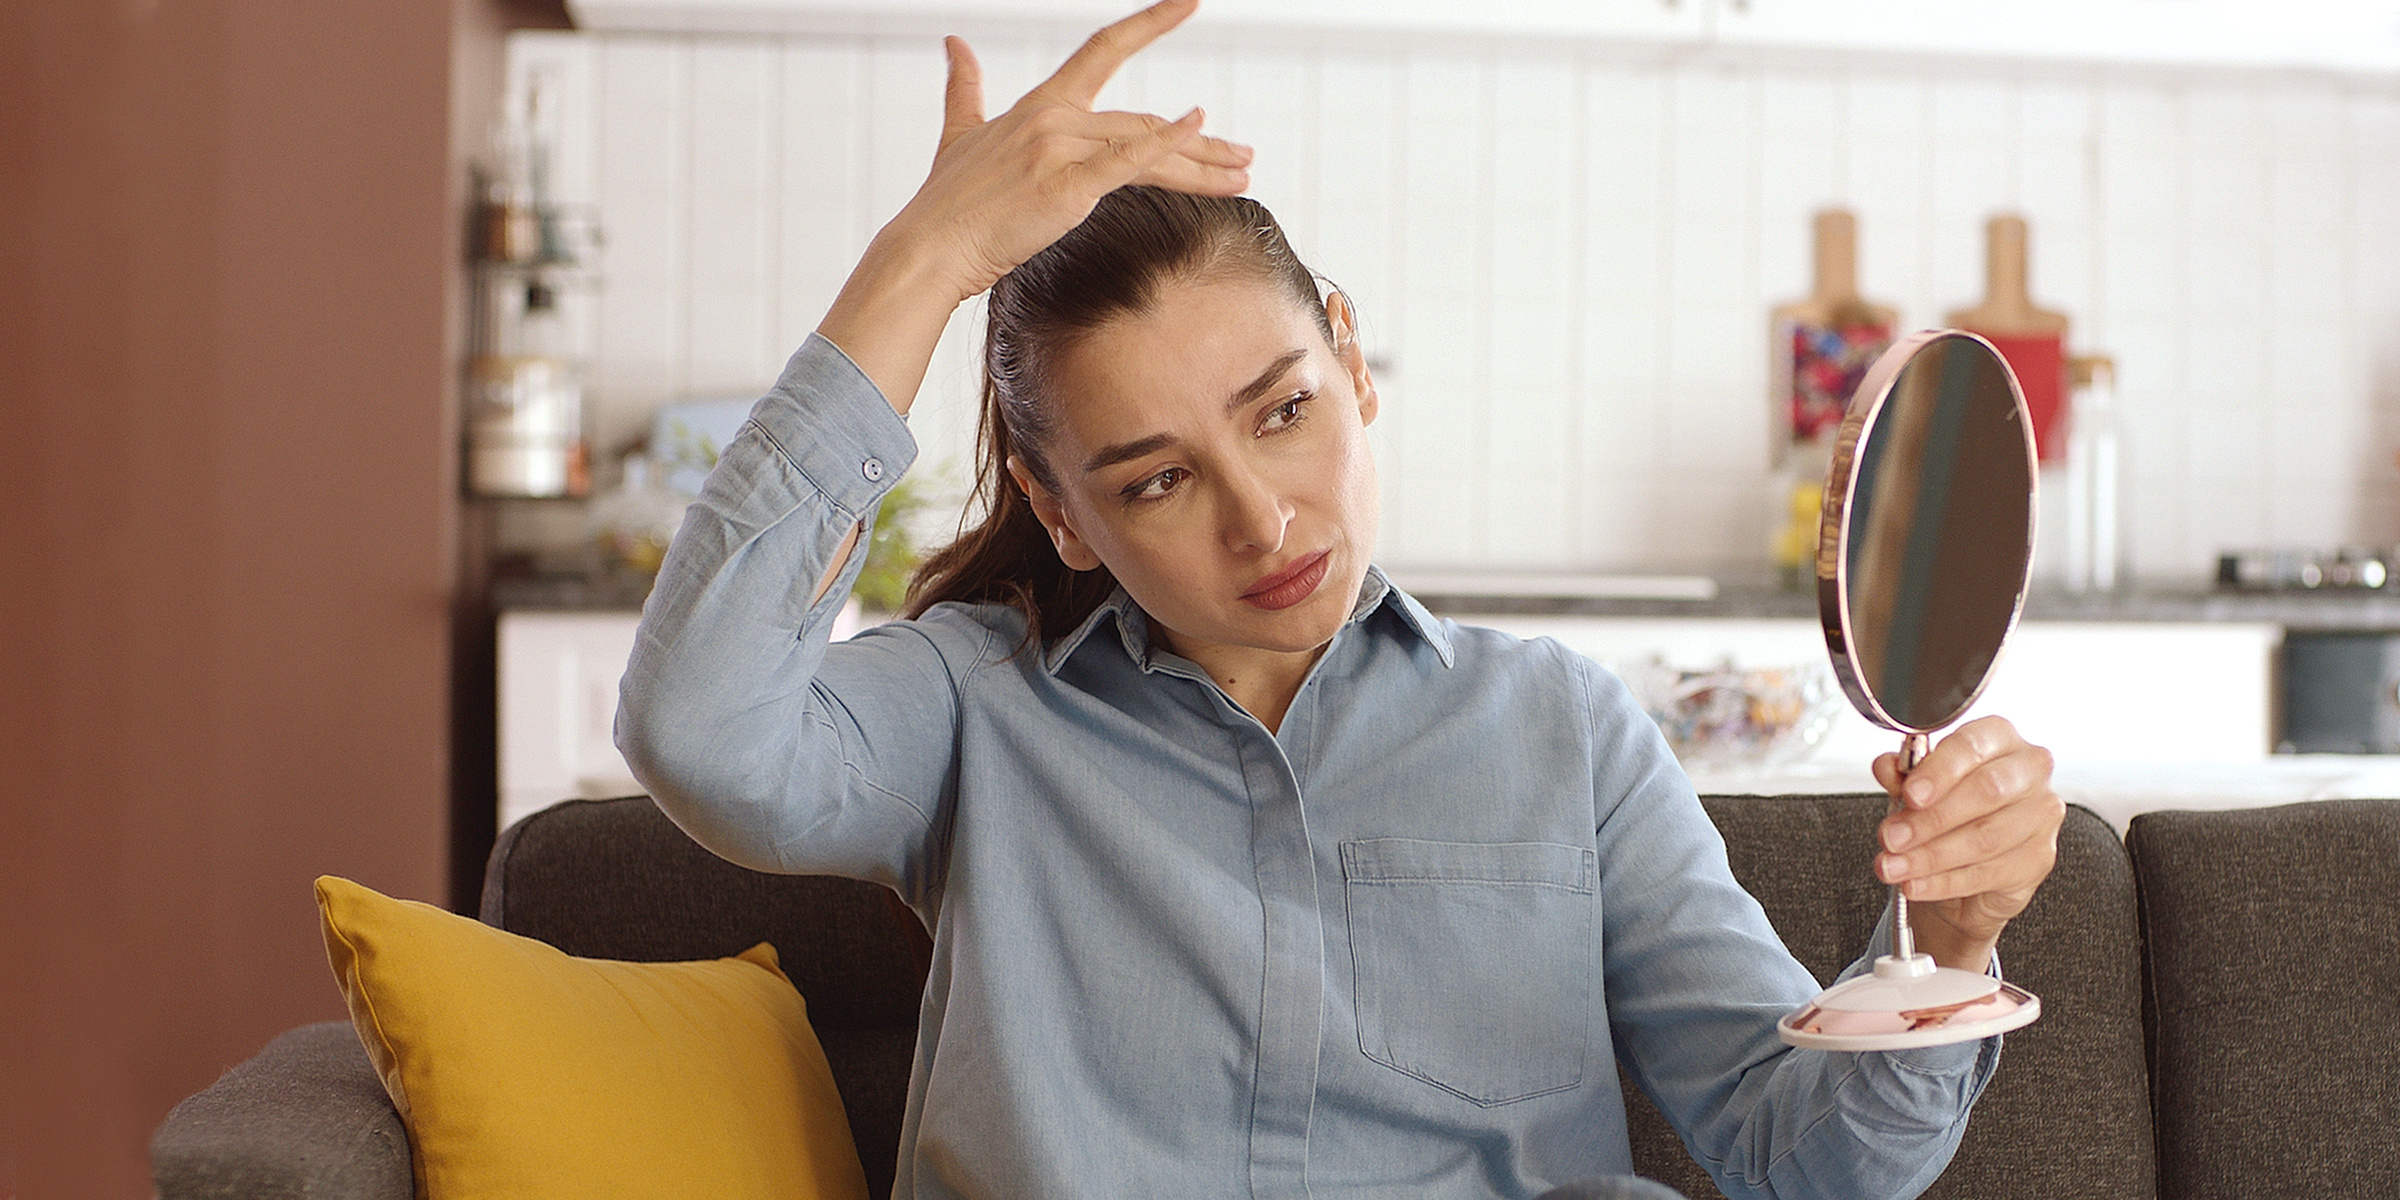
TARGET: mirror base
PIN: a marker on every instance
(1906, 1003)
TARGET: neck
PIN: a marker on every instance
(1263, 682)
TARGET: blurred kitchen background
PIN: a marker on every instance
(1566, 247)
(1568, 227)
(333, 325)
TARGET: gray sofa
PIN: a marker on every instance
(2220, 996)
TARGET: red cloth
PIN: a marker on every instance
(1827, 365)
(2040, 361)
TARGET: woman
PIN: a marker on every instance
(1246, 875)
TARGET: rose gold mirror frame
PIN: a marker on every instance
(1868, 406)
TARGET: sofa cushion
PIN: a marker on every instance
(523, 1072)
(617, 879)
(1807, 860)
(2274, 940)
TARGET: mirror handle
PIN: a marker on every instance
(1904, 939)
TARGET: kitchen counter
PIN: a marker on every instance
(2328, 609)
(2359, 609)
(571, 593)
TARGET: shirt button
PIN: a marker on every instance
(872, 469)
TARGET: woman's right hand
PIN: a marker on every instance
(1001, 190)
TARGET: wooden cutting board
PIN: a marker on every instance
(2033, 340)
(1824, 344)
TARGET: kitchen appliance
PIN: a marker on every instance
(525, 417)
(525, 406)
(2339, 692)
(2350, 568)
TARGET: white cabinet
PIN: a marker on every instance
(2141, 715)
(2340, 35)
(2192, 693)
(1665, 22)
(2351, 36)
(558, 706)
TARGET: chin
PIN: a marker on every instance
(1313, 622)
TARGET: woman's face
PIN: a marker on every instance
(1212, 453)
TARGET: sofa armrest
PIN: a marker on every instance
(306, 1119)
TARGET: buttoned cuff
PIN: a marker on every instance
(831, 425)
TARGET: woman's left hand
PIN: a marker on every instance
(1972, 833)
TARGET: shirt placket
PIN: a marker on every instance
(1293, 982)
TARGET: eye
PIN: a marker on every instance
(1156, 487)
(1287, 414)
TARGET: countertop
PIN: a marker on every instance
(2329, 609)
(2359, 609)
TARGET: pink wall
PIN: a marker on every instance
(228, 538)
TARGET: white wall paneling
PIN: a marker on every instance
(1565, 253)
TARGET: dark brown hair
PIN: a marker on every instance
(1136, 240)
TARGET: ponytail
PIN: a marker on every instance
(1007, 558)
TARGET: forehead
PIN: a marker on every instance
(1197, 344)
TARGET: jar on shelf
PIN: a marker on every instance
(525, 411)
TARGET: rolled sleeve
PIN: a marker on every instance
(721, 713)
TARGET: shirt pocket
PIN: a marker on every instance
(1472, 962)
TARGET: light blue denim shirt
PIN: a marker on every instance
(1396, 949)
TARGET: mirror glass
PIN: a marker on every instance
(1927, 535)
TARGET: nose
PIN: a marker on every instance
(1252, 512)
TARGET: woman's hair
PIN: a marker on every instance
(1113, 265)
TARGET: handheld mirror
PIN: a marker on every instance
(1924, 547)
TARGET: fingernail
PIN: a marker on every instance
(1919, 792)
(1897, 836)
(1889, 867)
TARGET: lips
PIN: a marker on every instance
(1290, 585)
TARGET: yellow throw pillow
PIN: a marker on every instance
(525, 1073)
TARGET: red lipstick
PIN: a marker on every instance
(1290, 585)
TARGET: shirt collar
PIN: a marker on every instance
(1133, 625)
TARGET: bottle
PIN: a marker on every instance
(2095, 547)
(1796, 492)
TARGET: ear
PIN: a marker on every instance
(1352, 354)
(1072, 549)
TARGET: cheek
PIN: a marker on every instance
(1356, 484)
(1134, 550)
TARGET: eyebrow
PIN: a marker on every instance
(1110, 456)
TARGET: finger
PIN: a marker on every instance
(1956, 756)
(962, 97)
(1125, 126)
(1089, 69)
(1178, 173)
(1998, 886)
(2022, 776)
(1887, 773)
(1998, 837)
(1199, 164)
(1217, 152)
(1120, 160)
